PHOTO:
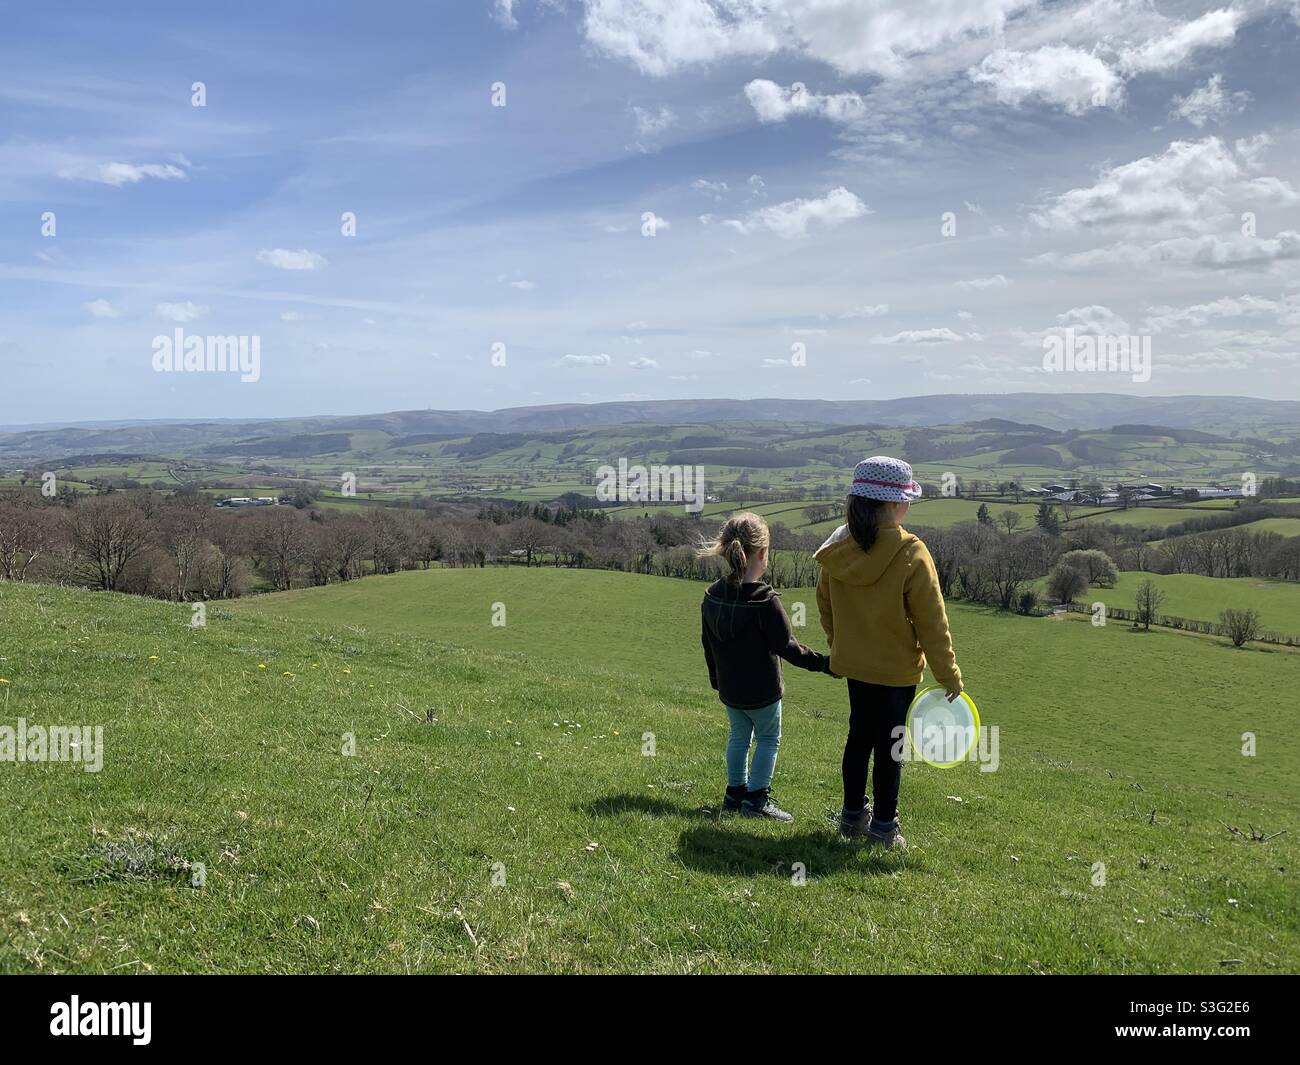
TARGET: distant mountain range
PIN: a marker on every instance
(1096, 410)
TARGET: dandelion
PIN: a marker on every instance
(286, 673)
(4, 680)
(153, 658)
(348, 671)
(261, 665)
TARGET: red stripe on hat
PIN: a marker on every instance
(884, 484)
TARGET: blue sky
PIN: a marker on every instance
(1095, 159)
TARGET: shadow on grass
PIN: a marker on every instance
(632, 803)
(730, 848)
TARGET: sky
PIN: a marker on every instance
(479, 204)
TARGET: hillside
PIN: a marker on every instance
(1214, 414)
(519, 750)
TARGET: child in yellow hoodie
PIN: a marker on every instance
(884, 618)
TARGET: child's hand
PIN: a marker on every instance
(952, 695)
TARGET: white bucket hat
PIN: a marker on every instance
(886, 479)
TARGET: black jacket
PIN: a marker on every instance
(744, 629)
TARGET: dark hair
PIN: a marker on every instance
(863, 517)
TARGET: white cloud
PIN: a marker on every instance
(291, 316)
(867, 310)
(644, 364)
(996, 281)
(661, 36)
(649, 123)
(774, 104)
(503, 12)
(942, 335)
(524, 284)
(1094, 319)
(792, 218)
(713, 189)
(655, 222)
(1208, 103)
(101, 308)
(1198, 315)
(180, 312)
(1212, 30)
(1209, 251)
(586, 360)
(119, 174)
(284, 259)
(1069, 78)
(1194, 185)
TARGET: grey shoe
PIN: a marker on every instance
(886, 834)
(760, 804)
(854, 826)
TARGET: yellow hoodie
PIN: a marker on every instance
(882, 610)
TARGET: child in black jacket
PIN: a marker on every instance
(744, 629)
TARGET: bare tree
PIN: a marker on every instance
(530, 536)
(1009, 519)
(1240, 625)
(184, 533)
(107, 532)
(25, 532)
(280, 538)
(1148, 600)
(1009, 567)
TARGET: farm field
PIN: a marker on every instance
(1189, 595)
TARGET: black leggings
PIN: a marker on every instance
(875, 712)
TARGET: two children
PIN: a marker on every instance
(884, 617)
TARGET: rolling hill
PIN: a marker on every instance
(498, 811)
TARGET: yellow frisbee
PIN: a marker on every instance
(942, 733)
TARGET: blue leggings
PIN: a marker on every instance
(763, 724)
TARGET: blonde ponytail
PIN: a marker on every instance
(741, 538)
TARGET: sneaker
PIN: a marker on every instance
(886, 834)
(853, 826)
(760, 804)
(735, 796)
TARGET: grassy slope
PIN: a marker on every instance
(321, 862)
(1189, 595)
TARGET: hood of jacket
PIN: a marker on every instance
(729, 610)
(843, 559)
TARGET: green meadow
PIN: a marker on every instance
(1189, 595)
(542, 795)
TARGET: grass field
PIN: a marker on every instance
(1189, 595)
(515, 754)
